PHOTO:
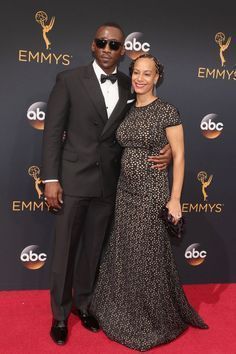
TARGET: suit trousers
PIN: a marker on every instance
(81, 228)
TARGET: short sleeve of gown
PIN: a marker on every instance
(172, 116)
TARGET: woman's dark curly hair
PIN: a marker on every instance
(158, 65)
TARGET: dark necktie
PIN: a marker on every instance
(112, 78)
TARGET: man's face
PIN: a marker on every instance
(106, 57)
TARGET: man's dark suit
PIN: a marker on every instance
(87, 166)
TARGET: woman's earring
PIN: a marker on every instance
(132, 90)
(155, 90)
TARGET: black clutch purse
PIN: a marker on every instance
(172, 229)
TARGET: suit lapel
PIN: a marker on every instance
(124, 93)
(93, 89)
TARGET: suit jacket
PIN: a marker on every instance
(88, 162)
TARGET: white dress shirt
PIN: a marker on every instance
(110, 93)
(109, 90)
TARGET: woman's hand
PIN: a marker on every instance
(174, 208)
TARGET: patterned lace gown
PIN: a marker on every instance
(138, 298)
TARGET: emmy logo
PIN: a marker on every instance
(34, 172)
(220, 39)
(205, 181)
(41, 17)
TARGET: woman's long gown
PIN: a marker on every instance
(138, 299)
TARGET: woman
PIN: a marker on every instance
(138, 298)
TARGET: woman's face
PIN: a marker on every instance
(144, 76)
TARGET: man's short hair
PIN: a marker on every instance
(112, 24)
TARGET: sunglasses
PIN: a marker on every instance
(113, 45)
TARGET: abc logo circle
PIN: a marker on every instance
(194, 255)
(31, 258)
(134, 46)
(211, 129)
(36, 115)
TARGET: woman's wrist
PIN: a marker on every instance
(177, 199)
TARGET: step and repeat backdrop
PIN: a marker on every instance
(197, 46)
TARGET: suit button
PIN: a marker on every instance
(97, 163)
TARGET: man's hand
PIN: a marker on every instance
(162, 160)
(53, 194)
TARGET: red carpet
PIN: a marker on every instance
(26, 319)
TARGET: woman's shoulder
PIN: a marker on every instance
(169, 108)
(170, 114)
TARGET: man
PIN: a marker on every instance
(80, 175)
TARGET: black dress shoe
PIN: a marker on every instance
(59, 332)
(88, 321)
